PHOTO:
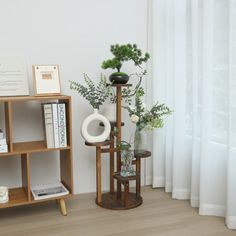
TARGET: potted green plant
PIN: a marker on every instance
(96, 95)
(122, 53)
(145, 119)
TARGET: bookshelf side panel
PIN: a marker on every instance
(8, 123)
(66, 168)
(25, 173)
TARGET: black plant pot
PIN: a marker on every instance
(119, 78)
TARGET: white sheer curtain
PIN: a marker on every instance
(194, 72)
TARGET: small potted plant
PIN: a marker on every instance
(96, 95)
(121, 54)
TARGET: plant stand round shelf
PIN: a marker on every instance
(117, 200)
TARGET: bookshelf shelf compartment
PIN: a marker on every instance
(34, 146)
(22, 196)
(17, 197)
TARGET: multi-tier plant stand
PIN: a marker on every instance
(117, 199)
(22, 196)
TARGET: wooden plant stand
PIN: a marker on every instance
(117, 200)
(23, 150)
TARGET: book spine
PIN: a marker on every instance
(55, 125)
(48, 121)
(62, 124)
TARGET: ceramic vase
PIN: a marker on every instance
(98, 138)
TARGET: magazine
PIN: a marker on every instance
(44, 191)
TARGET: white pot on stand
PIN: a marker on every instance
(109, 111)
(99, 138)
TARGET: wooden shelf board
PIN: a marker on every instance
(48, 199)
(33, 98)
(18, 197)
(31, 147)
(35, 146)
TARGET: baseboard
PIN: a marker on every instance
(212, 210)
(181, 194)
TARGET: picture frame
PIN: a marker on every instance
(13, 76)
(46, 80)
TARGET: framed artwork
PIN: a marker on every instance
(13, 76)
(46, 80)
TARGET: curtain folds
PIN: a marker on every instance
(194, 72)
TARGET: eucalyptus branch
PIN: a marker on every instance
(95, 95)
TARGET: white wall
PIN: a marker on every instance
(75, 34)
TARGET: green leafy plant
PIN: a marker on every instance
(124, 53)
(144, 118)
(123, 145)
(127, 92)
(95, 95)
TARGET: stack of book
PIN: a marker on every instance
(55, 124)
(3, 143)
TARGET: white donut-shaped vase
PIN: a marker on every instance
(101, 137)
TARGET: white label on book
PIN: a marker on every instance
(62, 124)
(48, 120)
(55, 125)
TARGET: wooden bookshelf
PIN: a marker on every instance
(24, 150)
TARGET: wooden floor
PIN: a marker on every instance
(159, 215)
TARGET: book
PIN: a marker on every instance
(48, 124)
(55, 125)
(44, 191)
(62, 124)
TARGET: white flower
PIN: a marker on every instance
(134, 118)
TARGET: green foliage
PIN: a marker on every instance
(95, 95)
(124, 53)
(123, 145)
(148, 119)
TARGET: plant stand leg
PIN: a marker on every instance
(63, 207)
(126, 194)
(112, 163)
(98, 173)
(138, 181)
(119, 135)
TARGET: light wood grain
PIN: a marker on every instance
(33, 98)
(158, 216)
(63, 207)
